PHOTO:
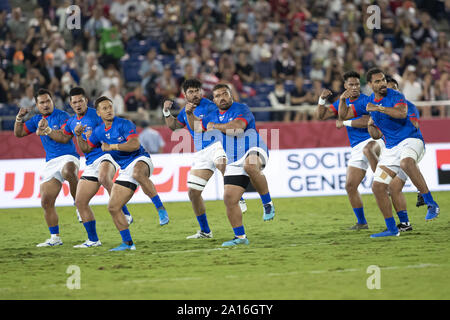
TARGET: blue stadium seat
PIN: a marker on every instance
(137, 47)
(8, 109)
(4, 5)
(130, 69)
(8, 125)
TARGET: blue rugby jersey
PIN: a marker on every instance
(394, 130)
(120, 131)
(91, 120)
(56, 120)
(204, 108)
(235, 146)
(355, 135)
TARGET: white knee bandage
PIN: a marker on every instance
(382, 176)
(196, 183)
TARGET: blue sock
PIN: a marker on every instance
(428, 198)
(126, 236)
(91, 230)
(203, 222)
(403, 216)
(54, 230)
(242, 199)
(359, 213)
(265, 198)
(390, 224)
(239, 231)
(157, 202)
(125, 211)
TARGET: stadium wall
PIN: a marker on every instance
(289, 135)
(290, 172)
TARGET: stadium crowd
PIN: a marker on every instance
(274, 53)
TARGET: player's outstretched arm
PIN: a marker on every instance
(19, 130)
(131, 145)
(374, 132)
(344, 111)
(170, 120)
(361, 122)
(322, 112)
(194, 122)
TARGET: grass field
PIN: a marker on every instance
(305, 253)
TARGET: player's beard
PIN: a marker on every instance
(225, 105)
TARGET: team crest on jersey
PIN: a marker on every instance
(221, 118)
(107, 135)
(55, 127)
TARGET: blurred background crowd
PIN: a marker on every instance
(273, 53)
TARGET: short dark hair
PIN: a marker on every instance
(41, 92)
(101, 99)
(390, 79)
(351, 74)
(221, 86)
(77, 91)
(191, 83)
(371, 72)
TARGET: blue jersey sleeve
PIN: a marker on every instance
(94, 140)
(244, 115)
(335, 107)
(359, 107)
(181, 117)
(31, 125)
(128, 130)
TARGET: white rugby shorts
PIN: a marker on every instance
(54, 167)
(409, 148)
(127, 173)
(93, 169)
(357, 157)
(204, 159)
(237, 168)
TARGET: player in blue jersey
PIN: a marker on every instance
(62, 159)
(119, 137)
(100, 166)
(404, 148)
(351, 110)
(209, 155)
(247, 154)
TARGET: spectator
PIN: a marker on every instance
(257, 48)
(264, 68)
(18, 24)
(151, 139)
(4, 87)
(244, 69)
(285, 65)
(299, 97)
(317, 73)
(118, 102)
(27, 100)
(410, 86)
(171, 41)
(320, 45)
(166, 85)
(136, 102)
(280, 100)
(91, 82)
(93, 28)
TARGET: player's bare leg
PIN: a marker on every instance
(231, 197)
(195, 196)
(372, 152)
(141, 173)
(410, 167)
(383, 177)
(399, 203)
(86, 190)
(120, 196)
(253, 167)
(106, 174)
(70, 173)
(49, 192)
(353, 180)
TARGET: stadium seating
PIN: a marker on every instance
(130, 68)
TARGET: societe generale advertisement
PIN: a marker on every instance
(290, 173)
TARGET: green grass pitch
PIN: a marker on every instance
(305, 253)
